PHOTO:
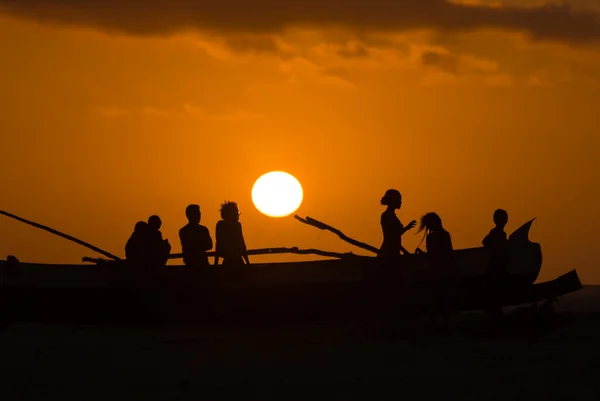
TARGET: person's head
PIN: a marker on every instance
(229, 211)
(430, 222)
(12, 261)
(500, 218)
(140, 227)
(193, 214)
(392, 198)
(154, 222)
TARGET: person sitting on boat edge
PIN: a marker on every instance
(136, 247)
(158, 247)
(11, 266)
(392, 228)
(497, 270)
(440, 251)
(230, 244)
(195, 239)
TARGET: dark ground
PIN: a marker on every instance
(556, 359)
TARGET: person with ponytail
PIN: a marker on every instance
(440, 252)
(392, 228)
(437, 240)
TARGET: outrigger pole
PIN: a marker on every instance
(263, 251)
(65, 236)
(274, 251)
(322, 226)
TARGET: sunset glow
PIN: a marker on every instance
(114, 111)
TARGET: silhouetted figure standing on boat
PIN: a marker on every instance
(497, 270)
(195, 239)
(136, 249)
(392, 228)
(158, 248)
(230, 244)
(440, 252)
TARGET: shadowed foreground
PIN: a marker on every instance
(473, 360)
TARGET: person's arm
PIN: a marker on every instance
(487, 241)
(245, 252)
(208, 242)
(181, 240)
(217, 243)
(410, 226)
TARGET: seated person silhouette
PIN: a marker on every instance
(392, 228)
(195, 239)
(136, 247)
(230, 244)
(497, 270)
(440, 252)
(11, 265)
(438, 243)
(158, 248)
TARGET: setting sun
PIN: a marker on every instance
(277, 194)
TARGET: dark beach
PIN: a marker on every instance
(473, 359)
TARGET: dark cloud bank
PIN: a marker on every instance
(162, 17)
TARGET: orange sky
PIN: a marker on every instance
(109, 116)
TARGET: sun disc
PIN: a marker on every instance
(277, 194)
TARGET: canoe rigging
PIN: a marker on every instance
(322, 226)
(266, 251)
(342, 286)
(62, 235)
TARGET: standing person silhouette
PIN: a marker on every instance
(497, 270)
(392, 228)
(195, 239)
(230, 244)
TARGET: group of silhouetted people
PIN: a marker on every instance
(438, 243)
(146, 247)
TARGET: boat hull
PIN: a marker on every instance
(355, 287)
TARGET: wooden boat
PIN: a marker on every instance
(348, 286)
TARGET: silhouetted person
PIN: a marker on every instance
(497, 270)
(497, 242)
(195, 239)
(158, 248)
(137, 245)
(392, 228)
(11, 266)
(154, 225)
(230, 244)
(12, 261)
(440, 252)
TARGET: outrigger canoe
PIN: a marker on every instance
(349, 286)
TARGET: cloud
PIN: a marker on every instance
(189, 110)
(442, 67)
(354, 50)
(300, 69)
(109, 111)
(447, 62)
(163, 17)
